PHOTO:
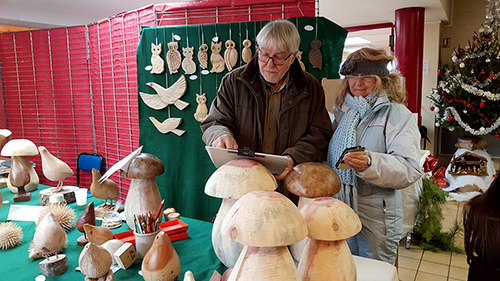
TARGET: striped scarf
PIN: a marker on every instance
(345, 137)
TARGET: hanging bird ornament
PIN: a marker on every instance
(156, 61)
(203, 56)
(315, 57)
(188, 64)
(166, 96)
(168, 125)
(216, 59)
(173, 57)
(230, 55)
(246, 53)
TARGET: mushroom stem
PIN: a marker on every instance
(226, 249)
(34, 180)
(143, 197)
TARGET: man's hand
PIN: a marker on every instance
(287, 169)
(225, 141)
(358, 162)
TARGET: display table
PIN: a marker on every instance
(196, 252)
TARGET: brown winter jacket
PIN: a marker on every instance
(304, 129)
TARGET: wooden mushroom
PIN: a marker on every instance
(21, 148)
(265, 222)
(326, 256)
(161, 262)
(143, 196)
(230, 182)
(310, 180)
(95, 262)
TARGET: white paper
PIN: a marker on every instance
(24, 213)
(122, 164)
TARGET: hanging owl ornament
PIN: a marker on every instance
(188, 64)
(299, 58)
(203, 56)
(173, 57)
(156, 61)
(246, 54)
(230, 55)
(216, 59)
(315, 57)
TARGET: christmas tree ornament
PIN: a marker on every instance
(156, 61)
(173, 57)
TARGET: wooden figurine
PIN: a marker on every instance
(201, 110)
(19, 177)
(203, 56)
(230, 55)
(49, 239)
(315, 56)
(55, 169)
(4, 133)
(88, 216)
(172, 94)
(11, 235)
(246, 53)
(143, 196)
(97, 234)
(156, 61)
(173, 57)
(112, 246)
(216, 59)
(168, 125)
(265, 222)
(161, 262)
(230, 182)
(188, 276)
(310, 180)
(21, 148)
(108, 190)
(95, 262)
(299, 58)
(63, 214)
(326, 256)
(188, 64)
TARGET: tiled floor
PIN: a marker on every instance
(416, 264)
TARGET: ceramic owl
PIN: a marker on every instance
(188, 64)
(315, 57)
(202, 109)
(173, 57)
(156, 61)
(230, 55)
(299, 58)
(216, 59)
(246, 54)
(203, 56)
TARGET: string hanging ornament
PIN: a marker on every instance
(315, 56)
(230, 54)
(173, 56)
(218, 64)
(188, 64)
(203, 51)
(157, 63)
(246, 53)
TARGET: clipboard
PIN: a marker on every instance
(276, 164)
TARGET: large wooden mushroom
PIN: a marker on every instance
(230, 182)
(310, 180)
(326, 256)
(22, 177)
(265, 222)
(143, 196)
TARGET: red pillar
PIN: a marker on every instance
(409, 51)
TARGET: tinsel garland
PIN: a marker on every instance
(481, 132)
(475, 91)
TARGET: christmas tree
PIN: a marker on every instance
(468, 91)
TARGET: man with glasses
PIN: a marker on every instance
(271, 105)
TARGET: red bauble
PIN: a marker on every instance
(439, 73)
(443, 93)
(482, 72)
(481, 104)
(496, 136)
(450, 118)
(474, 79)
(432, 108)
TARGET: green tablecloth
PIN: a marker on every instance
(196, 253)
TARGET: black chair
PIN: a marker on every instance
(87, 161)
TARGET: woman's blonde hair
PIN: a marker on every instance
(390, 84)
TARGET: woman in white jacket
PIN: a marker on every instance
(370, 111)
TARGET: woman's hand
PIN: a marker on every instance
(225, 141)
(358, 161)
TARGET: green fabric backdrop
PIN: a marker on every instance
(187, 165)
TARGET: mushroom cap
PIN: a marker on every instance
(238, 177)
(312, 180)
(144, 166)
(19, 147)
(330, 219)
(264, 218)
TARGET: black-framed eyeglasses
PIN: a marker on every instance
(364, 78)
(276, 60)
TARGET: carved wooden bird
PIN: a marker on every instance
(203, 56)
(53, 168)
(161, 261)
(108, 190)
(168, 125)
(230, 55)
(166, 96)
(49, 236)
(97, 234)
(94, 262)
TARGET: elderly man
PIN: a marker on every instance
(270, 105)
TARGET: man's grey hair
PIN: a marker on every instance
(280, 33)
